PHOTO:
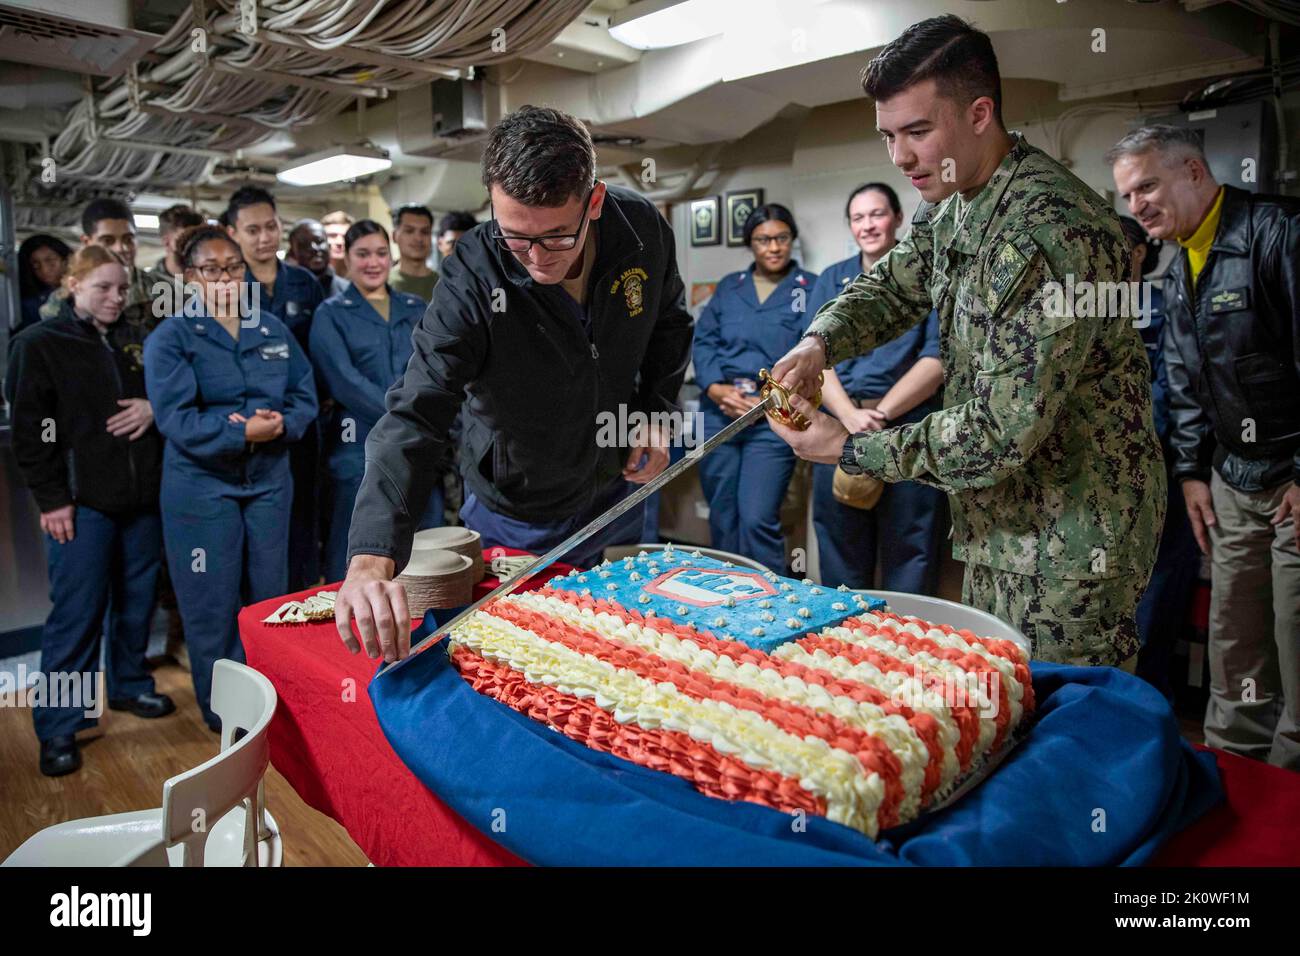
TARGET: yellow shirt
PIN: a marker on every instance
(379, 302)
(1198, 244)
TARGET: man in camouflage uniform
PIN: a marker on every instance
(1046, 443)
(109, 223)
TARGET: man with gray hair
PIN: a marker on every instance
(1232, 300)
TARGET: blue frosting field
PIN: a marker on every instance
(757, 608)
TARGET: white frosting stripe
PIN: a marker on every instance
(1005, 667)
(898, 685)
(957, 689)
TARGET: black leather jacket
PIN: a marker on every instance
(1233, 345)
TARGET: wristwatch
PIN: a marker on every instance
(849, 459)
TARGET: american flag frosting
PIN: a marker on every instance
(866, 721)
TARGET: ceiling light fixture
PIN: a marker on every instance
(654, 24)
(336, 164)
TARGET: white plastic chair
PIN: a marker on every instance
(617, 552)
(227, 789)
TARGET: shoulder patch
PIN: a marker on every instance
(1007, 267)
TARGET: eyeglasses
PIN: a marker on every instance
(784, 239)
(521, 244)
(212, 272)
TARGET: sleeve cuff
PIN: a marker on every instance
(1186, 473)
(656, 404)
(706, 375)
(52, 500)
(869, 449)
(236, 437)
(377, 550)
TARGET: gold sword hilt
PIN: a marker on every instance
(779, 409)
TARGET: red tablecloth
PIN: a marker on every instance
(326, 741)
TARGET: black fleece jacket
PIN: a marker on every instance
(532, 379)
(62, 386)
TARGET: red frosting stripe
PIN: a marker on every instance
(966, 717)
(874, 754)
(672, 751)
(925, 725)
(968, 661)
(999, 647)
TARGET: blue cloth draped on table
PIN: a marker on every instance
(1103, 778)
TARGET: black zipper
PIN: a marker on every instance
(595, 352)
(591, 339)
(121, 393)
(1194, 305)
(595, 364)
(592, 286)
(564, 356)
(604, 278)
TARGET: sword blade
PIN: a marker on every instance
(591, 527)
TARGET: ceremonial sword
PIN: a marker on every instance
(775, 400)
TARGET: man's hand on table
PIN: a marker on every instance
(377, 603)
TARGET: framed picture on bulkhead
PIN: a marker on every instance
(706, 230)
(740, 203)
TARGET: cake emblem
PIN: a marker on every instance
(707, 587)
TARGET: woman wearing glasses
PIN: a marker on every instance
(231, 388)
(360, 344)
(754, 316)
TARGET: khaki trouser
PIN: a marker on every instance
(1082, 622)
(1254, 643)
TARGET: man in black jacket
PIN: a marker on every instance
(1232, 297)
(562, 308)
